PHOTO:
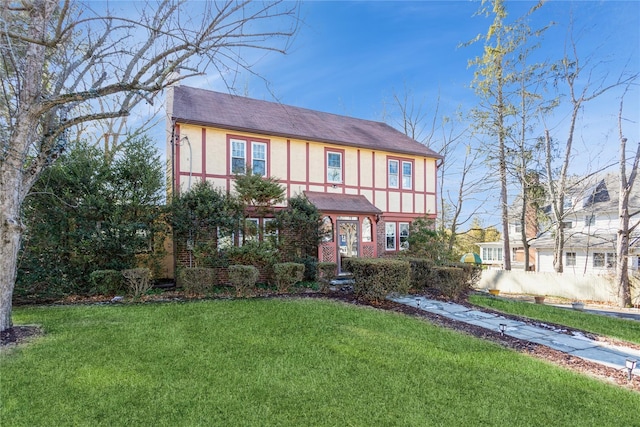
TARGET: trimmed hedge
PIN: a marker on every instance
(455, 281)
(327, 271)
(421, 272)
(243, 277)
(196, 280)
(376, 278)
(287, 274)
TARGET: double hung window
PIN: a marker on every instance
(400, 174)
(238, 156)
(570, 259)
(404, 235)
(407, 175)
(334, 167)
(390, 234)
(259, 158)
(393, 174)
(247, 152)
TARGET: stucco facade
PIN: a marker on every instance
(213, 136)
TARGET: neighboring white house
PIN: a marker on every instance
(591, 226)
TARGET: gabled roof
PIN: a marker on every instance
(208, 108)
(337, 202)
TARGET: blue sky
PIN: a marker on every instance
(350, 57)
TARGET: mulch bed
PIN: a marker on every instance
(21, 334)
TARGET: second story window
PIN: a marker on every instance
(259, 158)
(246, 152)
(238, 156)
(334, 167)
(393, 174)
(407, 175)
(399, 174)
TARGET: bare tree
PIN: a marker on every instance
(59, 58)
(624, 228)
(416, 123)
(582, 87)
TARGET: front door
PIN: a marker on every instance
(348, 240)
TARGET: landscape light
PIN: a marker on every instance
(503, 327)
(630, 365)
(418, 301)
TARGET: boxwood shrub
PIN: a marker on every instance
(327, 271)
(196, 280)
(243, 278)
(287, 274)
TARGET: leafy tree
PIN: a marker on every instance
(477, 233)
(427, 242)
(299, 224)
(61, 60)
(257, 195)
(201, 215)
(87, 214)
(495, 75)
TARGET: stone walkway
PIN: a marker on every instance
(574, 344)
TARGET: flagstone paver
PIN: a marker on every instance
(575, 344)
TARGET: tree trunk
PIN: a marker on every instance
(10, 234)
(622, 261)
(622, 248)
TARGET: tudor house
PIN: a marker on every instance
(367, 179)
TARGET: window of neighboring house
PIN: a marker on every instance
(259, 158)
(590, 220)
(570, 259)
(366, 230)
(390, 233)
(514, 252)
(567, 224)
(407, 175)
(491, 254)
(610, 260)
(598, 259)
(404, 235)
(238, 156)
(518, 227)
(334, 167)
(393, 173)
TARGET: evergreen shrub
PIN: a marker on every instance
(454, 281)
(243, 277)
(327, 271)
(376, 278)
(196, 280)
(106, 282)
(287, 274)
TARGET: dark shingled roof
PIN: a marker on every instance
(208, 108)
(332, 202)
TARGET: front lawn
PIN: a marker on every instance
(297, 362)
(626, 330)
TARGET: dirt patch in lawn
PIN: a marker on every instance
(20, 334)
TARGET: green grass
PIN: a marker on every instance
(627, 330)
(291, 362)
